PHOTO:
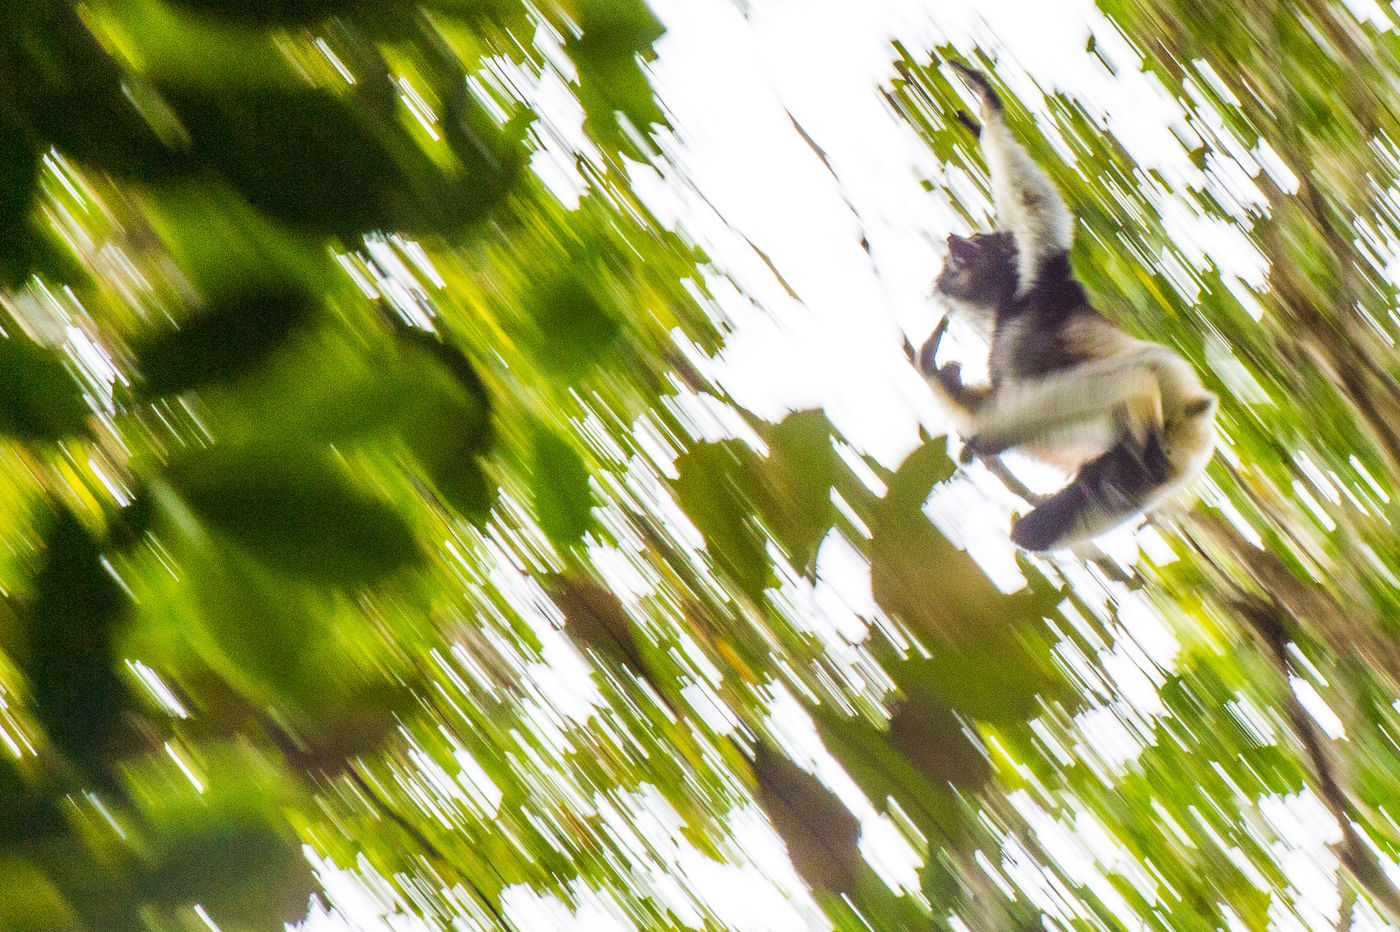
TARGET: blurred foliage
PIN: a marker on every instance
(371, 551)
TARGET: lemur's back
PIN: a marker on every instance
(1051, 327)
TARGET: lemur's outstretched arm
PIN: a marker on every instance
(1027, 202)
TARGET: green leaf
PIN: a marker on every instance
(303, 157)
(491, 155)
(227, 848)
(718, 487)
(609, 86)
(1003, 679)
(911, 484)
(563, 497)
(573, 330)
(801, 468)
(71, 663)
(919, 576)
(433, 397)
(78, 98)
(227, 339)
(508, 13)
(438, 367)
(42, 252)
(263, 627)
(320, 164)
(615, 38)
(464, 483)
(297, 509)
(620, 26)
(244, 873)
(221, 243)
(418, 394)
(404, 389)
(27, 812)
(881, 768)
(39, 398)
(19, 174)
(31, 902)
(273, 12)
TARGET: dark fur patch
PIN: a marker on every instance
(1055, 297)
(1125, 475)
(1042, 344)
(1111, 489)
(1000, 243)
(1051, 521)
(978, 81)
(1047, 352)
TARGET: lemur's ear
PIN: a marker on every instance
(1200, 406)
(960, 246)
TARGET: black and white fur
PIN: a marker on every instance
(1067, 385)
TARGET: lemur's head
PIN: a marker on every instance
(980, 269)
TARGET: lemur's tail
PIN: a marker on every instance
(1119, 485)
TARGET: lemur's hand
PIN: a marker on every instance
(976, 80)
(927, 353)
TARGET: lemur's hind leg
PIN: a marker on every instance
(1107, 491)
(1027, 202)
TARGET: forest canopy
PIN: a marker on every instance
(393, 537)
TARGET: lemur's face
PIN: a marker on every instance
(980, 269)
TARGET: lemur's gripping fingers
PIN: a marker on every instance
(927, 354)
(979, 83)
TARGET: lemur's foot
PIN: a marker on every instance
(979, 447)
(972, 125)
(979, 83)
